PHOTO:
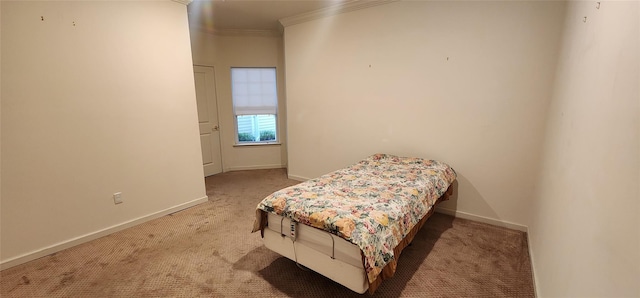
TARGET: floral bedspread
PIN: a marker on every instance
(372, 204)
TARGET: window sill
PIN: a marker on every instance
(257, 144)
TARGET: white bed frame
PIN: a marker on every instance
(320, 251)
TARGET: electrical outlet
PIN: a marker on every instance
(117, 197)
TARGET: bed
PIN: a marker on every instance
(352, 224)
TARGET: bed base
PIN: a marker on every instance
(349, 275)
(337, 259)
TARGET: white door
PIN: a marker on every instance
(208, 119)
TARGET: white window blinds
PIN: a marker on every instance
(254, 91)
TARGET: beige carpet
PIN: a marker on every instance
(207, 251)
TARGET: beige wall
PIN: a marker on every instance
(467, 83)
(106, 105)
(223, 52)
(585, 236)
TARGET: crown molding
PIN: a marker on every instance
(185, 2)
(332, 10)
(240, 32)
(246, 32)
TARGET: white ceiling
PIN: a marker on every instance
(215, 15)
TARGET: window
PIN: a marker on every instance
(255, 104)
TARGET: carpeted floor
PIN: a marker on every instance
(208, 251)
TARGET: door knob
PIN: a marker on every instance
(215, 128)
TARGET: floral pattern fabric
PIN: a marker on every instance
(373, 203)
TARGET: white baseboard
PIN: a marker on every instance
(95, 235)
(487, 220)
(298, 178)
(254, 167)
(533, 266)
